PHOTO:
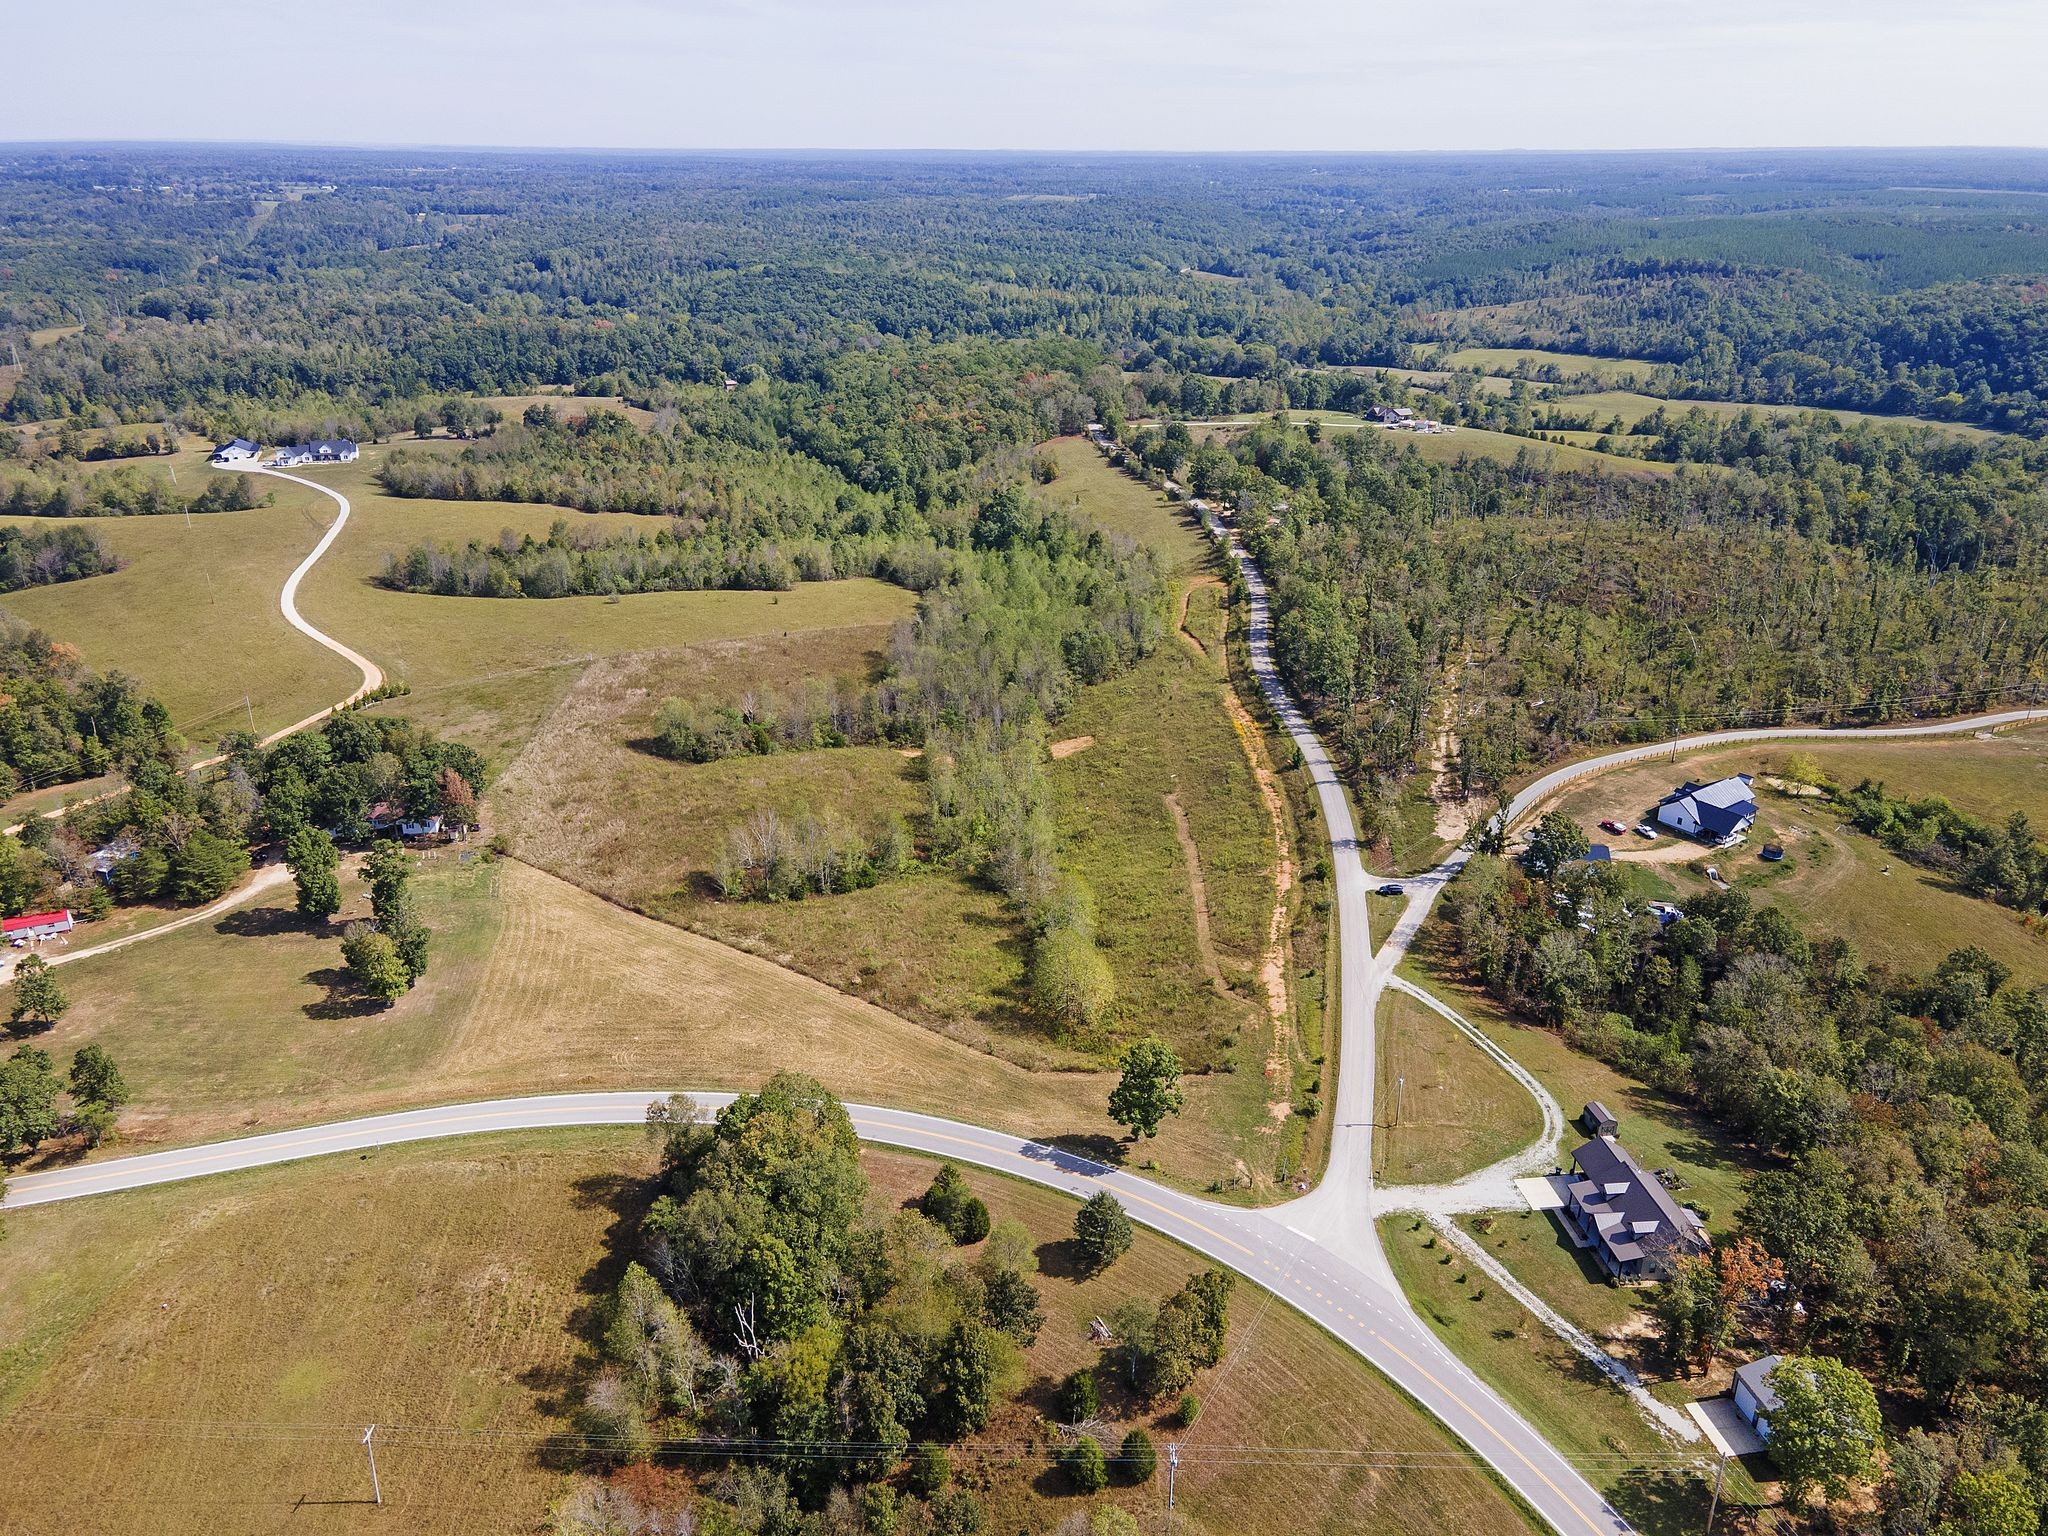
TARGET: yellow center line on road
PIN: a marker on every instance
(1514, 1450)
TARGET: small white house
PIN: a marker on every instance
(236, 450)
(1755, 1398)
(290, 455)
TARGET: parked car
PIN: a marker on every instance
(1644, 829)
(1389, 889)
(1611, 825)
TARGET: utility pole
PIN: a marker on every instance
(376, 1488)
(252, 713)
(1172, 1466)
(1714, 1505)
(1400, 1087)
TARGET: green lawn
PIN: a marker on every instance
(1533, 1245)
(1454, 1110)
(1631, 407)
(1616, 371)
(1834, 879)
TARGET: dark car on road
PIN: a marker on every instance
(1389, 889)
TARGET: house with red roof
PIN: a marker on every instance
(36, 925)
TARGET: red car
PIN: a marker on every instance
(1611, 825)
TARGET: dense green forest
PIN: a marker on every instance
(1832, 574)
(223, 285)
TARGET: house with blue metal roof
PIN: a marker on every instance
(1715, 813)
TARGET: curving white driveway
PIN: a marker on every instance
(1320, 1253)
(288, 605)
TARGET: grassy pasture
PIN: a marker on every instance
(1632, 408)
(1459, 1112)
(1836, 880)
(937, 948)
(536, 986)
(1620, 372)
(1467, 442)
(194, 615)
(444, 1291)
(498, 663)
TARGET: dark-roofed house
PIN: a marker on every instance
(1755, 1398)
(1619, 1210)
(1714, 813)
(236, 450)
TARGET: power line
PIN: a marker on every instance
(751, 1448)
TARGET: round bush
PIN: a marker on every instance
(1085, 1465)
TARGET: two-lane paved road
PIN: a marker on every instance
(1363, 1310)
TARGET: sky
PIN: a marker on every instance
(1326, 75)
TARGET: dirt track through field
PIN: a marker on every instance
(1273, 964)
(1199, 891)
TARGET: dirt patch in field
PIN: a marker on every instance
(1071, 745)
(1455, 811)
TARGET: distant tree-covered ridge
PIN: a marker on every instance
(1844, 279)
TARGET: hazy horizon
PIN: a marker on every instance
(900, 76)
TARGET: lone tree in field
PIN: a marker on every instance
(38, 999)
(315, 866)
(1150, 1088)
(1102, 1228)
(1825, 1429)
(373, 964)
(97, 1094)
